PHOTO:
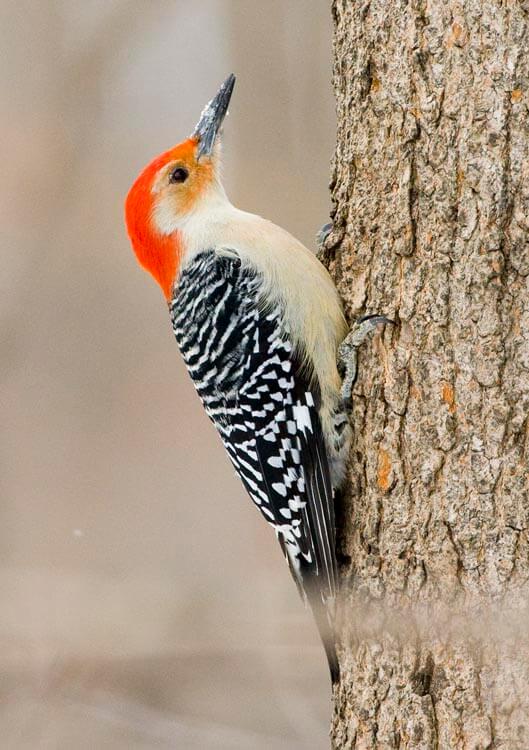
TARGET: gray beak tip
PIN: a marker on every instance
(212, 117)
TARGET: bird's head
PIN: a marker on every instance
(170, 188)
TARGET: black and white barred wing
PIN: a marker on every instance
(292, 464)
(249, 379)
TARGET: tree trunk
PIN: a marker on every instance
(431, 220)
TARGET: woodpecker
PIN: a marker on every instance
(259, 324)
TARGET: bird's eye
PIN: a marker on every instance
(179, 175)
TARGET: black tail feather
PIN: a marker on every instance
(323, 618)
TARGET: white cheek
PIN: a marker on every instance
(206, 208)
(164, 215)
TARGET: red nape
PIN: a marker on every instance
(157, 253)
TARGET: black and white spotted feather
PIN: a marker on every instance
(265, 407)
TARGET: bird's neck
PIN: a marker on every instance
(205, 227)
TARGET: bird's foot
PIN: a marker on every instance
(348, 352)
(323, 234)
(328, 240)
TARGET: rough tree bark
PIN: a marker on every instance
(431, 227)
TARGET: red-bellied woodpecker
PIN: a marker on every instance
(259, 323)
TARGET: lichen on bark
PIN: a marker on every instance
(430, 188)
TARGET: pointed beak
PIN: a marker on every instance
(212, 116)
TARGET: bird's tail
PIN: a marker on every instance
(322, 604)
(323, 616)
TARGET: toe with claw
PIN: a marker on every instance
(323, 234)
(348, 352)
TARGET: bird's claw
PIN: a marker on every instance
(322, 235)
(348, 352)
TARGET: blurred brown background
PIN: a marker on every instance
(144, 603)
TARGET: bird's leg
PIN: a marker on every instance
(348, 352)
